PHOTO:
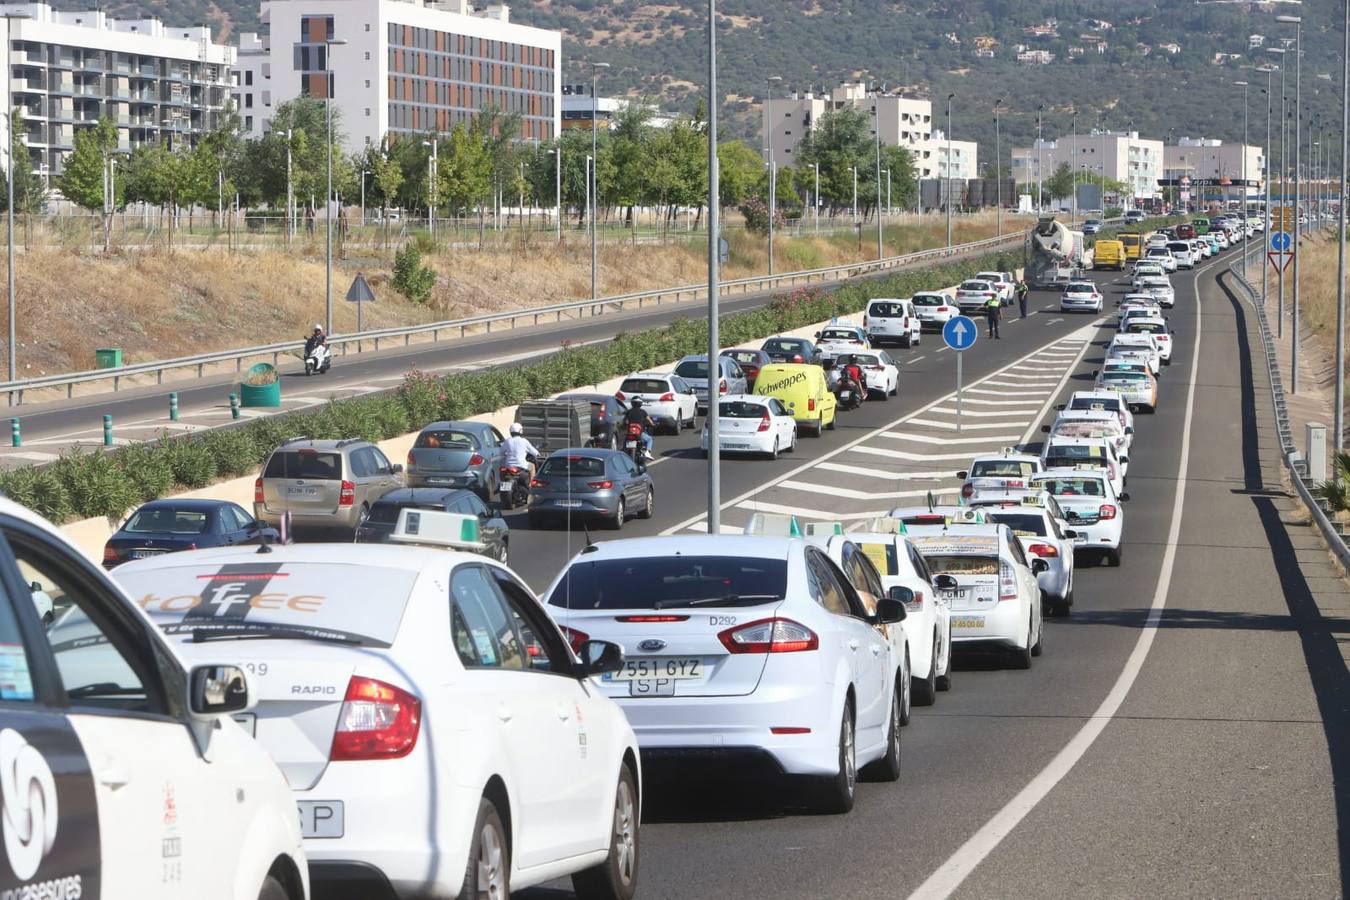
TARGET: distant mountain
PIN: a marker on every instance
(931, 48)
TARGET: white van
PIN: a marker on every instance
(892, 319)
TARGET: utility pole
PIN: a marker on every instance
(948, 183)
(328, 198)
(1265, 176)
(1040, 181)
(290, 196)
(1338, 428)
(998, 175)
(1297, 22)
(768, 152)
(714, 261)
(592, 184)
(876, 116)
(816, 166)
(1246, 233)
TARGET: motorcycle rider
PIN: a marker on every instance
(850, 376)
(315, 340)
(517, 451)
(636, 415)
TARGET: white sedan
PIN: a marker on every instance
(1163, 257)
(880, 373)
(1157, 328)
(755, 650)
(1091, 508)
(835, 339)
(437, 731)
(668, 398)
(1160, 289)
(934, 310)
(1079, 296)
(748, 423)
(1145, 270)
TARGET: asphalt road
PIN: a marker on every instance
(1178, 736)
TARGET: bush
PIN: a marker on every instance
(412, 279)
(146, 469)
(97, 486)
(756, 213)
(190, 461)
(41, 490)
(235, 451)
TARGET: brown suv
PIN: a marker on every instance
(323, 484)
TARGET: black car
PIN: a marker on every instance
(607, 413)
(492, 528)
(168, 526)
(791, 350)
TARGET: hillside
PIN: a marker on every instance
(931, 47)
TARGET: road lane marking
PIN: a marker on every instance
(1018, 414)
(831, 490)
(911, 362)
(938, 439)
(873, 472)
(813, 515)
(967, 426)
(908, 457)
(950, 875)
(979, 402)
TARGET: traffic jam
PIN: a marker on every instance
(346, 690)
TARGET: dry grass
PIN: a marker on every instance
(157, 305)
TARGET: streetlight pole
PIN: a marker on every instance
(290, 194)
(888, 192)
(1246, 232)
(816, 167)
(768, 153)
(998, 176)
(714, 260)
(1284, 173)
(1297, 22)
(948, 183)
(1073, 204)
(876, 116)
(329, 44)
(433, 175)
(1040, 191)
(1265, 176)
(10, 19)
(1338, 418)
(855, 195)
(592, 184)
(557, 191)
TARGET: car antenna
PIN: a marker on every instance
(587, 531)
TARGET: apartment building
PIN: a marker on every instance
(964, 161)
(68, 70)
(1209, 159)
(1118, 155)
(407, 67)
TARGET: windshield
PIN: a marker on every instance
(1126, 375)
(1111, 403)
(574, 466)
(644, 386)
(1179, 247)
(1147, 328)
(743, 356)
(741, 409)
(784, 346)
(692, 368)
(1020, 523)
(1081, 288)
(1157, 283)
(1081, 430)
(670, 581)
(838, 334)
(446, 439)
(929, 300)
(166, 520)
(962, 565)
(1001, 468)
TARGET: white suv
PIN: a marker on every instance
(892, 319)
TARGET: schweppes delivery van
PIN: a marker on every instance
(803, 390)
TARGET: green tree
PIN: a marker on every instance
(1060, 183)
(164, 178)
(739, 170)
(840, 142)
(82, 181)
(465, 169)
(30, 194)
(386, 178)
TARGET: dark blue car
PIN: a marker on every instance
(168, 526)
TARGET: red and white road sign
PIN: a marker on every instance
(1280, 261)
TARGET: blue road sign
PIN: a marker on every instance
(960, 332)
(1280, 241)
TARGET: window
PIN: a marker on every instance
(826, 589)
(481, 628)
(248, 123)
(362, 464)
(248, 77)
(367, 110)
(543, 645)
(248, 101)
(367, 85)
(367, 54)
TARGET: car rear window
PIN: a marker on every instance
(974, 286)
(1126, 376)
(446, 439)
(1080, 287)
(384, 513)
(743, 356)
(883, 308)
(1112, 403)
(782, 345)
(929, 300)
(1146, 328)
(838, 334)
(362, 604)
(645, 385)
(692, 368)
(741, 409)
(1021, 523)
(581, 466)
(1179, 247)
(1001, 468)
(1074, 487)
(1082, 430)
(166, 521)
(311, 465)
(945, 564)
(670, 582)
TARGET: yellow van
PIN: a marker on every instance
(1108, 255)
(803, 390)
(1133, 242)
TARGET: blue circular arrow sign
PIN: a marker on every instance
(1280, 240)
(960, 332)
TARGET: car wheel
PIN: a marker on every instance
(273, 890)
(1020, 657)
(834, 420)
(836, 792)
(1058, 608)
(616, 878)
(885, 394)
(925, 689)
(773, 454)
(944, 681)
(888, 767)
(488, 872)
(620, 514)
(1039, 647)
(1112, 557)
(906, 698)
(648, 508)
(819, 428)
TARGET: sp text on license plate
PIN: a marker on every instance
(320, 818)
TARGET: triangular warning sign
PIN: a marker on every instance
(360, 291)
(1280, 260)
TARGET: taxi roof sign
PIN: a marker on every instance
(824, 529)
(436, 528)
(773, 525)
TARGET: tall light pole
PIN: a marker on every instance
(1338, 418)
(1265, 177)
(768, 157)
(888, 192)
(290, 194)
(433, 176)
(1040, 190)
(1297, 22)
(10, 19)
(876, 116)
(1246, 232)
(557, 191)
(948, 183)
(854, 169)
(593, 184)
(1073, 150)
(328, 45)
(714, 260)
(772, 168)
(1284, 172)
(998, 177)
(816, 167)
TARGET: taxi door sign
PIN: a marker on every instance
(49, 820)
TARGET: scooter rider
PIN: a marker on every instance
(636, 415)
(315, 340)
(517, 452)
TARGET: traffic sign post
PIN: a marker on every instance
(360, 293)
(1280, 260)
(959, 333)
(1280, 241)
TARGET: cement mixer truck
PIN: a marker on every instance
(1054, 254)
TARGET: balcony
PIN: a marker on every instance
(26, 58)
(88, 89)
(29, 86)
(62, 86)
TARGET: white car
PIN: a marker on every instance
(1144, 270)
(1160, 289)
(934, 310)
(1201, 248)
(1036, 520)
(1135, 308)
(1129, 345)
(1154, 326)
(1003, 283)
(1091, 452)
(753, 650)
(124, 774)
(667, 398)
(748, 423)
(1131, 381)
(972, 295)
(1091, 507)
(835, 339)
(1080, 296)
(1222, 238)
(991, 477)
(1163, 257)
(1101, 400)
(1183, 253)
(438, 733)
(892, 319)
(991, 587)
(879, 371)
(1092, 423)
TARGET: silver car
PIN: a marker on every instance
(590, 484)
(694, 371)
(457, 455)
(323, 484)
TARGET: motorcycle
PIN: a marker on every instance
(633, 445)
(850, 395)
(513, 486)
(318, 360)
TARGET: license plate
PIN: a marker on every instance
(142, 554)
(652, 687)
(950, 596)
(570, 504)
(658, 668)
(440, 480)
(320, 818)
(248, 722)
(506, 484)
(299, 491)
(736, 446)
(629, 445)
(968, 621)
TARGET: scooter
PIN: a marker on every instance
(850, 395)
(513, 486)
(319, 360)
(633, 445)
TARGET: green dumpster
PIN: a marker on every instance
(108, 358)
(261, 386)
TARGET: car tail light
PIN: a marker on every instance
(618, 395)
(864, 320)
(110, 553)
(789, 729)
(348, 495)
(774, 635)
(378, 721)
(1106, 512)
(574, 637)
(751, 371)
(600, 485)
(257, 490)
(1111, 471)
(1042, 550)
(764, 423)
(411, 460)
(722, 386)
(538, 482)
(1007, 581)
(667, 397)
(651, 619)
(797, 358)
(967, 490)
(475, 460)
(810, 404)
(944, 309)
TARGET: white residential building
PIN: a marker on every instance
(68, 70)
(408, 67)
(1120, 156)
(964, 161)
(1213, 160)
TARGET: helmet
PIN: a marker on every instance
(318, 327)
(517, 428)
(637, 403)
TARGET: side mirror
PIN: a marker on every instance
(1124, 498)
(599, 657)
(1045, 429)
(1039, 565)
(963, 475)
(396, 469)
(945, 582)
(1069, 533)
(1095, 372)
(1129, 429)
(890, 610)
(1061, 406)
(901, 593)
(1125, 459)
(218, 691)
(817, 335)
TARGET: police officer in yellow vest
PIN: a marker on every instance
(993, 308)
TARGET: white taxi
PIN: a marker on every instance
(934, 310)
(1160, 289)
(879, 372)
(1094, 424)
(438, 733)
(1132, 345)
(984, 575)
(749, 423)
(1157, 328)
(124, 774)
(1092, 509)
(841, 337)
(1146, 270)
(1038, 523)
(1132, 381)
(991, 477)
(1082, 401)
(1077, 452)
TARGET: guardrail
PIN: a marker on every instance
(460, 327)
(1292, 459)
